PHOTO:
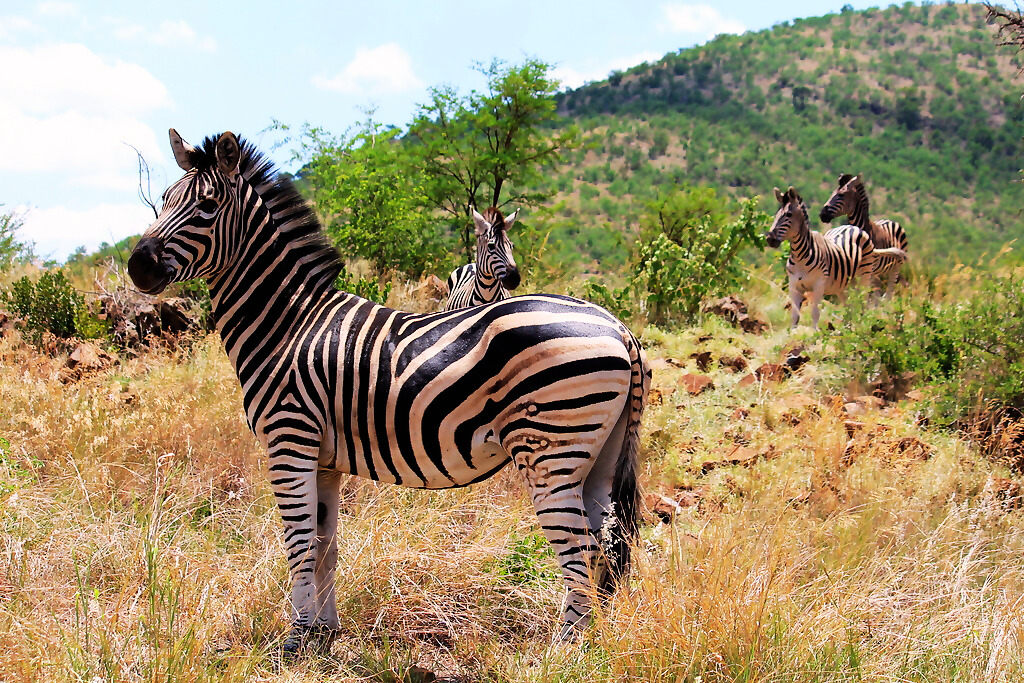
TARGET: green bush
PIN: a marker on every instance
(966, 343)
(366, 288)
(51, 305)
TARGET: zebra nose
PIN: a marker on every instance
(145, 268)
(772, 242)
(823, 215)
(511, 279)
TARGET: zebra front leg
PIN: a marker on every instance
(796, 300)
(326, 623)
(293, 478)
(817, 294)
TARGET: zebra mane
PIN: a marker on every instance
(291, 213)
(493, 216)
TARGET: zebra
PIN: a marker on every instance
(495, 271)
(851, 199)
(818, 265)
(334, 384)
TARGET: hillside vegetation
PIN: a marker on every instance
(917, 98)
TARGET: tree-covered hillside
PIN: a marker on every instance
(919, 99)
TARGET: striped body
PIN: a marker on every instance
(818, 265)
(850, 199)
(335, 384)
(494, 272)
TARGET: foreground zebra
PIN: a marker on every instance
(494, 273)
(334, 384)
(818, 264)
(850, 199)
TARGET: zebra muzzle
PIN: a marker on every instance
(511, 279)
(149, 273)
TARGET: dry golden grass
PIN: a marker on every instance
(139, 542)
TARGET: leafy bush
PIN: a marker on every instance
(688, 251)
(965, 339)
(50, 305)
(366, 288)
(12, 249)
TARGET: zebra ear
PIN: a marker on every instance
(182, 151)
(509, 220)
(779, 197)
(481, 223)
(845, 178)
(228, 154)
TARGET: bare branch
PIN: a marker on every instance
(145, 193)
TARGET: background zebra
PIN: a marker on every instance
(495, 271)
(818, 264)
(333, 383)
(850, 199)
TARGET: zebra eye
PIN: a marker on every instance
(208, 205)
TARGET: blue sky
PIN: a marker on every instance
(78, 80)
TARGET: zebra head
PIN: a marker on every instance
(843, 199)
(195, 234)
(494, 249)
(790, 219)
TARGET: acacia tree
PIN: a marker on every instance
(487, 147)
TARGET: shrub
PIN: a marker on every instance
(966, 343)
(366, 288)
(51, 305)
(12, 249)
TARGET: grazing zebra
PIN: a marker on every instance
(495, 271)
(335, 384)
(850, 199)
(818, 264)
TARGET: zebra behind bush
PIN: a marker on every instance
(494, 273)
(850, 199)
(818, 265)
(335, 384)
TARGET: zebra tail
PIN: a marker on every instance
(626, 494)
(892, 251)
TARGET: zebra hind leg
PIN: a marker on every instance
(326, 624)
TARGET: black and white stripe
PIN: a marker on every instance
(494, 273)
(850, 199)
(818, 265)
(335, 384)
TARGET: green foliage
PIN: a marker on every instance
(688, 251)
(529, 561)
(14, 473)
(966, 343)
(49, 305)
(366, 288)
(489, 148)
(12, 250)
(371, 197)
(197, 291)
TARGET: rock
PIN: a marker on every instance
(740, 455)
(655, 397)
(1008, 492)
(740, 414)
(734, 363)
(703, 359)
(870, 402)
(696, 384)
(134, 317)
(431, 289)
(6, 323)
(795, 361)
(86, 358)
(747, 381)
(735, 311)
(664, 508)
(854, 409)
(771, 372)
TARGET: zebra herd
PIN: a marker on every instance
(826, 264)
(334, 384)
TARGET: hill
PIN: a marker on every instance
(918, 99)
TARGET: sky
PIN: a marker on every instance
(81, 83)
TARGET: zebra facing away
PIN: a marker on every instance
(335, 384)
(494, 273)
(850, 199)
(818, 264)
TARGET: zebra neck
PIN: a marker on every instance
(860, 215)
(274, 287)
(486, 285)
(801, 247)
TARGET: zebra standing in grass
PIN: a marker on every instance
(495, 271)
(335, 384)
(818, 264)
(850, 199)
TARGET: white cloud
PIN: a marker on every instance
(176, 34)
(53, 8)
(68, 111)
(701, 21)
(13, 27)
(57, 231)
(571, 77)
(377, 71)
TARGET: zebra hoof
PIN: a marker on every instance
(306, 640)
